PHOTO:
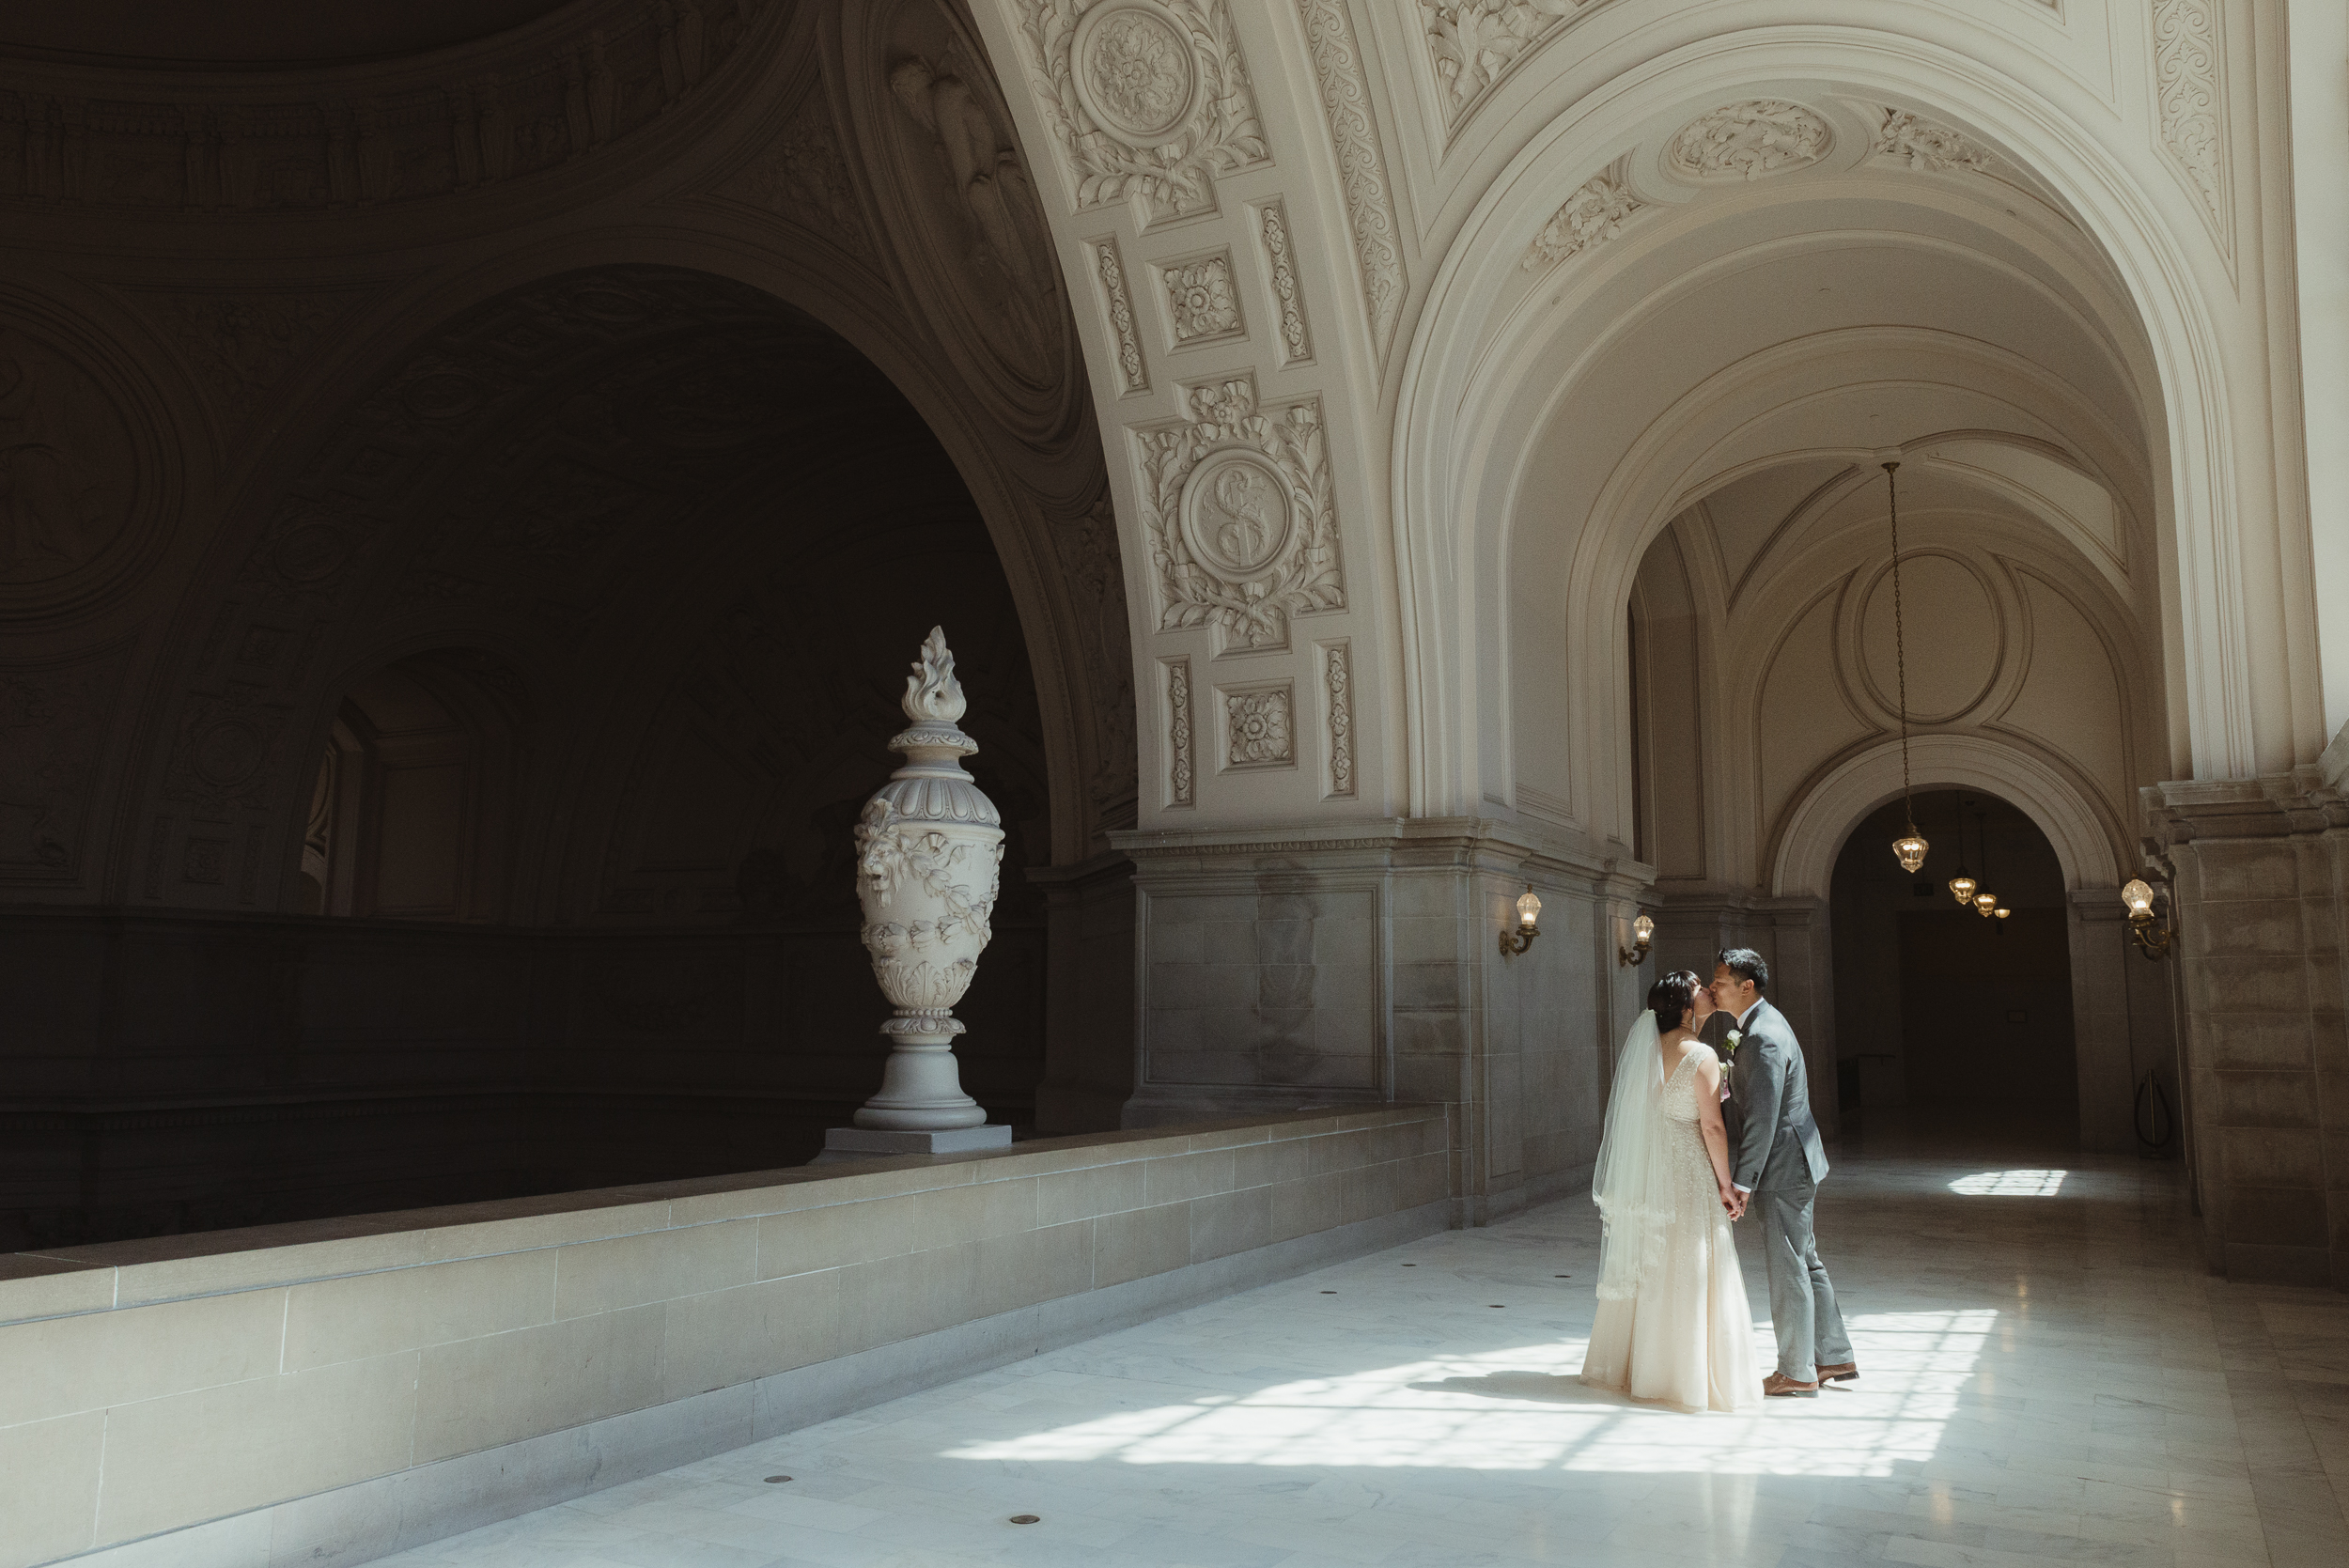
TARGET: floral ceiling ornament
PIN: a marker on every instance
(1199, 300)
(1594, 213)
(1258, 731)
(1745, 141)
(1927, 148)
(1148, 100)
(1239, 506)
(1472, 43)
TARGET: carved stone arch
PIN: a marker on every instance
(1811, 833)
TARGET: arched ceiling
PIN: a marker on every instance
(257, 32)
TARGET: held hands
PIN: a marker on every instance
(1733, 1202)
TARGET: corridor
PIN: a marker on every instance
(2047, 1377)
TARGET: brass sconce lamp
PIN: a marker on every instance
(1528, 924)
(2152, 943)
(1642, 933)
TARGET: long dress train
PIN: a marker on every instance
(1686, 1338)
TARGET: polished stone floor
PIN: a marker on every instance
(2047, 1377)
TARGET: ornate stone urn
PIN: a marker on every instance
(929, 857)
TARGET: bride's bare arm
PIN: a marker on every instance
(1709, 1121)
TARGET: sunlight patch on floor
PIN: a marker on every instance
(2009, 1184)
(1521, 1410)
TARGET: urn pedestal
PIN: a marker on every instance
(929, 860)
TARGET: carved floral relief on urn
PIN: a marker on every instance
(929, 858)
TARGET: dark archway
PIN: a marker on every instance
(1945, 1018)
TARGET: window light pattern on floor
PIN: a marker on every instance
(1521, 1410)
(2009, 1184)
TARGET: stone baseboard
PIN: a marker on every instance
(375, 1518)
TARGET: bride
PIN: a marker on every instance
(1673, 1323)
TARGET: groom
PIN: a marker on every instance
(1779, 1165)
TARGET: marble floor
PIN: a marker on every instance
(2047, 1377)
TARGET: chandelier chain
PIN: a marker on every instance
(1899, 641)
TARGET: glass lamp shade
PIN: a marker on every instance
(1641, 929)
(2138, 897)
(1529, 909)
(1909, 850)
(1962, 888)
(2002, 912)
(1987, 903)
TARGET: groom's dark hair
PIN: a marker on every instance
(1746, 964)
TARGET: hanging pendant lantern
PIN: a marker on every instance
(1910, 848)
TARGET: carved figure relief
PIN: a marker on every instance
(972, 228)
(1149, 99)
(1132, 378)
(1258, 727)
(1297, 341)
(2192, 94)
(65, 463)
(1242, 523)
(1596, 213)
(1362, 166)
(1179, 759)
(1200, 300)
(1745, 141)
(804, 176)
(1926, 146)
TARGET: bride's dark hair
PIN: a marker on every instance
(1671, 996)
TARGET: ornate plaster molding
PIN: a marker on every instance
(1472, 45)
(1148, 100)
(1748, 140)
(1337, 679)
(1239, 509)
(802, 175)
(1296, 337)
(1259, 725)
(1362, 167)
(454, 120)
(1131, 374)
(1928, 147)
(1596, 213)
(2190, 90)
(1179, 774)
(1201, 300)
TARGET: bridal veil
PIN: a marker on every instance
(1631, 1182)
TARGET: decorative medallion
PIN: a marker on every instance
(1745, 141)
(1257, 732)
(1239, 511)
(1199, 298)
(68, 475)
(1134, 71)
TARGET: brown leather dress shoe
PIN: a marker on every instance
(1779, 1386)
(1843, 1372)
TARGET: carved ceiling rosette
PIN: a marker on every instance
(1148, 98)
(968, 224)
(1242, 521)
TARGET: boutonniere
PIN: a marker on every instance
(1734, 1035)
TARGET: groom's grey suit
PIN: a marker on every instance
(1781, 1161)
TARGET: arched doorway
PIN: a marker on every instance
(1949, 1020)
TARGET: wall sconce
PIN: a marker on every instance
(1642, 933)
(1528, 924)
(2140, 898)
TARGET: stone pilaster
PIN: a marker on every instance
(1360, 963)
(1089, 1027)
(2261, 891)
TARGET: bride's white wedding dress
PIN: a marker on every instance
(1673, 1323)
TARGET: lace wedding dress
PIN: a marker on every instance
(1673, 1323)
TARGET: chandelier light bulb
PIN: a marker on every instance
(2002, 911)
(2138, 897)
(1910, 850)
(1986, 903)
(1962, 888)
(1643, 930)
(1529, 909)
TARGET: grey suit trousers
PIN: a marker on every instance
(1802, 1301)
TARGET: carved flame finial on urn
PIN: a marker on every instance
(929, 858)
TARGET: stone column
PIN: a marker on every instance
(2258, 884)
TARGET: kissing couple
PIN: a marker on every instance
(1673, 1323)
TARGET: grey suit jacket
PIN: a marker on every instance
(1778, 1145)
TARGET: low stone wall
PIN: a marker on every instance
(339, 1390)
